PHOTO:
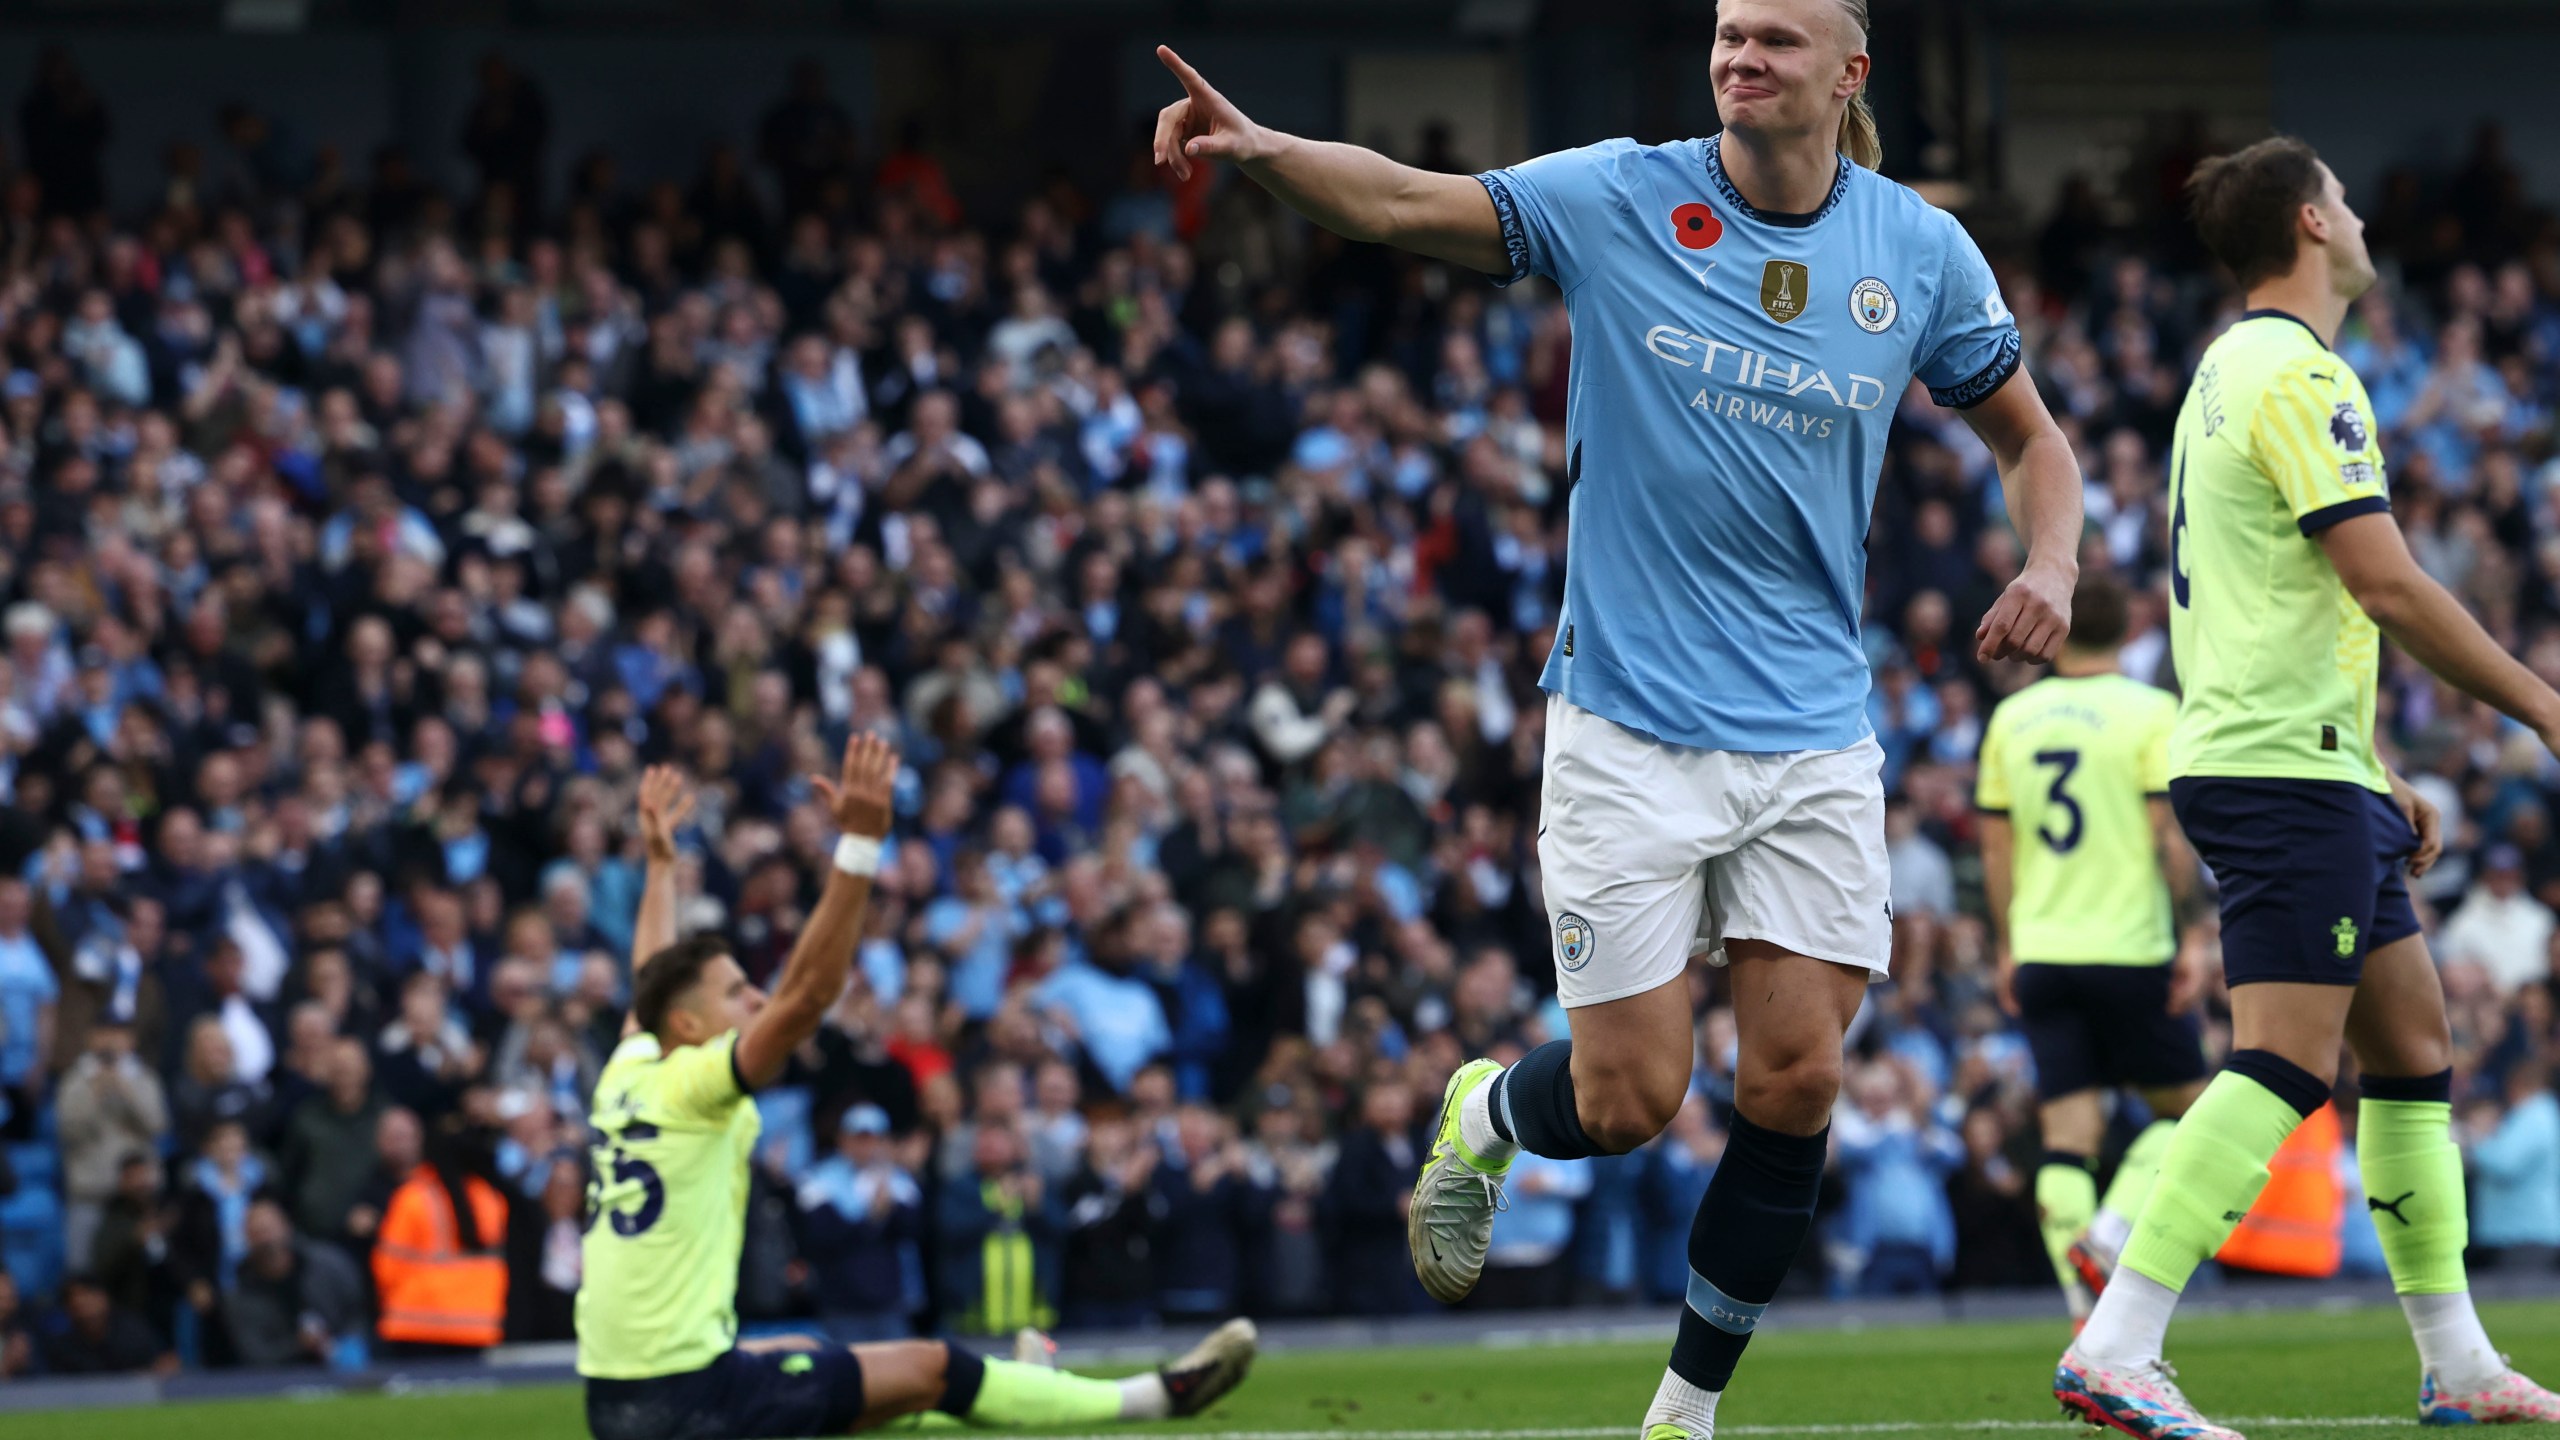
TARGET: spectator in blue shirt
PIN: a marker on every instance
(2515, 1163)
(1050, 738)
(1194, 1002)
(861, 1215)
(28, 993)
(976, 930)
(1895, 1156)
(1210, 1210)
(1678, 1163)
(650, 662)
(1531, 1263)
(1117, 1019)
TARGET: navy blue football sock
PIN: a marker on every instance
(1750, 1224)
(963, 1374)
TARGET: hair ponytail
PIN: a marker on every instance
(1858, 138)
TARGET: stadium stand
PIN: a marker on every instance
(360, 542)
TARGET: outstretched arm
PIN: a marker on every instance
(664, 804)
(815, 974)
(1356, 193)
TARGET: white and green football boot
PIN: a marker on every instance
(1451, 1222)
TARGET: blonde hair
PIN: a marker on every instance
(1858, 138)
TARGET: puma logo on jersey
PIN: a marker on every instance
(2390, 1207)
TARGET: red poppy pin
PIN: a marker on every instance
(1695, 226)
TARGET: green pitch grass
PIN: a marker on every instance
(2297, 1375)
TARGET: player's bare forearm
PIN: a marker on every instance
(2177, 860)
(2043, 487)
(1362, 195)
(655, 929)
(1356, 193)
(1996, 876)
(2423, 618)
(811, 980)
(664, 803)
(2040, 478)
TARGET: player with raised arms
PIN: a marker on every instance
(2286, 571)
(1748, 310)
(673, 1130)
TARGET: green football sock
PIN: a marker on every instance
(1019, 1394)
(2413, 1178)
(2066, 1196)
(2140, 1166)
(2215, 1167)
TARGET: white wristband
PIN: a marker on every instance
(858, 855)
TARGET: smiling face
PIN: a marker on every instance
(1785, 67)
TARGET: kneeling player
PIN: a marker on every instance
(2085, 866)
(666, 1212)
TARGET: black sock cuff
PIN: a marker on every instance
(1776, 1150)
(962, 1374)
(2426, 1089)
(2292, 1084)
(2067, 1159)
(1497, 1105)
(1546, 1119)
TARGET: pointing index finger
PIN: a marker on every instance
(1183, 72)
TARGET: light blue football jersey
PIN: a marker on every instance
(1734, 374)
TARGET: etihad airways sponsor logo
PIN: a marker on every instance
(1754, 369)
(1741, 367)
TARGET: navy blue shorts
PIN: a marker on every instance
(2093, 1027)
(739, 1396)
(2313, 874)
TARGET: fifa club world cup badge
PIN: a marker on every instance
(1782, 289)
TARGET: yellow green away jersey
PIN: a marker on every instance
(2073, 762)
(2276, 443)
(666, 1211)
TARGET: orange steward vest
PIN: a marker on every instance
(2294, 1227)
(433, 1291)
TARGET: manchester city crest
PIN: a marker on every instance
(1574, 941)
(1872, 305)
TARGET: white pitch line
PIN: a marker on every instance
(1873, 1427)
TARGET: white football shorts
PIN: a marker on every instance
(1653, 853)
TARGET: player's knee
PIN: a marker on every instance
(1628, 1110)
(1792, 1090)
(1625, 1124)
(2409, 1050)
(2171, 1102)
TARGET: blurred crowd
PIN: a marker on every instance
(360, 542)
